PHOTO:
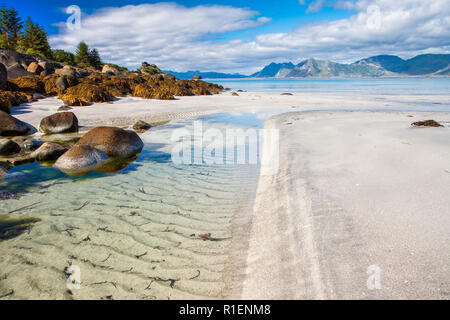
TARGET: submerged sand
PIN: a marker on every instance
(358, 194)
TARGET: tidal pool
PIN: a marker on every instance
(154, 230)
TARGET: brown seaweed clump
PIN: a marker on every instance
(147, 91)
(12, 227)
(29, 84)
(10, 99)
(85, 94)
(427, 123)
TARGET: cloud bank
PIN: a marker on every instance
(181, 38)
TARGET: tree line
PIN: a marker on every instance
(31, 38)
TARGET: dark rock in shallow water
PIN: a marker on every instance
(427, 123)
(48, 152)
(81, 159)
(287, 94)
(8, 147)
(27, 143)
(115, 142)
(63, 122)
(141, 126)
(10, 126)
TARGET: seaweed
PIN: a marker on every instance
(13, 227)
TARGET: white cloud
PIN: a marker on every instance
(181, 38)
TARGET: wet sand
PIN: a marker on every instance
(357, 193)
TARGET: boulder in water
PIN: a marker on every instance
(62, 122)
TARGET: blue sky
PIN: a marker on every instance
(238, 36)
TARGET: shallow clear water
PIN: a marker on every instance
(133, 234)
(391, 86)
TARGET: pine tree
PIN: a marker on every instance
(94, 59)
(10, 27)
(82, 55)
(4, 28)
(15, 26)
(34, 40)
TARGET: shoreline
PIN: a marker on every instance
(115, 114)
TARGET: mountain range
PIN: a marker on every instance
(377, 66)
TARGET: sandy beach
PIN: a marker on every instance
(356, 192)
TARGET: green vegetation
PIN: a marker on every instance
(86, 57)
(10, 26)
(63, 57)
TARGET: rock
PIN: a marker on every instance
(287, 94)
(8, 147)
(3, 75)
(110, 70)
(66, 71)
(35, 68)
(81, 159)
(10, 126)
(114, 142)
(234, 94)
(47, 67)
(61, 83)
(38, 96)
(18, 161)
(16, 71)
(141, 126)
(64, 108)
(197, 77)
(26, 143)
(62, 122)
(48, 152)
(427, 123)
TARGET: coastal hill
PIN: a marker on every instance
(377, 66)
(206, 75)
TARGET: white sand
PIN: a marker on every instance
(354, 190)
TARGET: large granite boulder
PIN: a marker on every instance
(48, 152)
(10, 126)
(8, 147)
(110, 70)
(66, 71)
(35, 68)
(17, 71)
(62, 83)
(114, 142)
(62, 122)
(81, 159)
(47, 67)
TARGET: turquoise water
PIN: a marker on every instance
(391, 86)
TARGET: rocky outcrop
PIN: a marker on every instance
(141, 126)
(10, 126)
(85, 94)
(62, 122)
(8, 147)
(48, 152)
(61, 83)
(81, 159)
(114, 142)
